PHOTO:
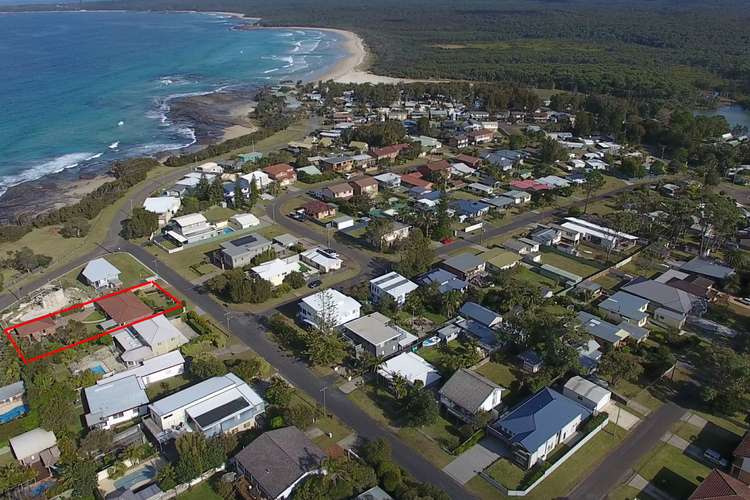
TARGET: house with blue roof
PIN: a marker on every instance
(445, 281)
(487, 317)
(537, 426)
(468, 209)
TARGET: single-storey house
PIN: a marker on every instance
(610, 333)
(410, 367)
(35, 446)
(274, 271)
(341, 191)
(36, 329)
(124, 308)
(445, 280)
(470, 209)
(530, 361)
(388, 180)
(243, 221)
(337, 164)
(99, 273)
(587, 393)
(319, 210)
(277, 461)
(518, 197)
(708, 268)
(163, 206)
(476, 312)
(538, 425)
(719, 485)
(321, 260)
(467, 393)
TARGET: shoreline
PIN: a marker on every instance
(214, 117)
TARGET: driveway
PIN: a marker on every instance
(475, 459)
(621, 417)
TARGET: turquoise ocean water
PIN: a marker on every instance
(80, 89)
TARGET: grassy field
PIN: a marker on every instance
(671, 470)
(711, 436)
(167, 387)
(525, 274)
(568, 264)
(202, 491)
(219, 214)
(506, 473)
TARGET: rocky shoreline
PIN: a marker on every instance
(214, 117)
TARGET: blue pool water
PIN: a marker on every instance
(80, 89)
(228, 230)
(13, 414)
(98, 370)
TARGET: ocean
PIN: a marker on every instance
(80, 89)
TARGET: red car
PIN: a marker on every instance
(447, 241)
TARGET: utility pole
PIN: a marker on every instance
(323, 390)
(227, 315)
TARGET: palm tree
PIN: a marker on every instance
(452, 301)
(737, 259)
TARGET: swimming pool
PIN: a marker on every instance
(228, 230)
(145, 474)
(98, 369)
(13, 414)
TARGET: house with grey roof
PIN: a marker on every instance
(466, 266)
(241, 251)
(445, 281)
(537, 426)
(467, 393)
(474, 311)
(218, 405)
(378, 335)
(99, 273)
(392, 285)
(114, 402)
(35, 446)
(622, 306)
(610, 333)
(278, 460)
(11, 401)
(668, 305)
(708, 268)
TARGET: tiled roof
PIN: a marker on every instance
(721, 486)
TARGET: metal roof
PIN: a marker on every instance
(105, 400)
(100, 269)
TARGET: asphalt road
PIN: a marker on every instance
(620, 461)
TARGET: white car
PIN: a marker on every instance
(715, 458)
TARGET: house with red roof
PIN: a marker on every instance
(529, 185)
(319, 210)
(283, 173)
(435, 170)
(721, 486)
(471, 161)
(741, 460)
(36, 329)
(388, 152)
(415, 179)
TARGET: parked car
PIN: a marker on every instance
(447, 241)
(715, 458)
(745, 300)
(314, 284)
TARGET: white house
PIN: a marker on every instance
(274, 271)
(210, 168)
(152, 370)
(410, 367)
(467, 393)
(217, 405)
(330, 306)
(321, 260)
(163, 206)
(587, 393)
(537, 426)
(393, 285)
(99, 273)
(261, 179)
(243, 221)
(114, 402)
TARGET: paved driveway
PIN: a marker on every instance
(475, 459)
(621, 417)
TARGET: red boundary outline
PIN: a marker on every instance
(80, 305)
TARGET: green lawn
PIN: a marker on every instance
(218, 214)
(506, 473)
(568, 264)
(564, 479)
(608, 281)
(500, 373)
(523, 273)
(711, 436)
(132, 271)
(202, 491)
(671, 470)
